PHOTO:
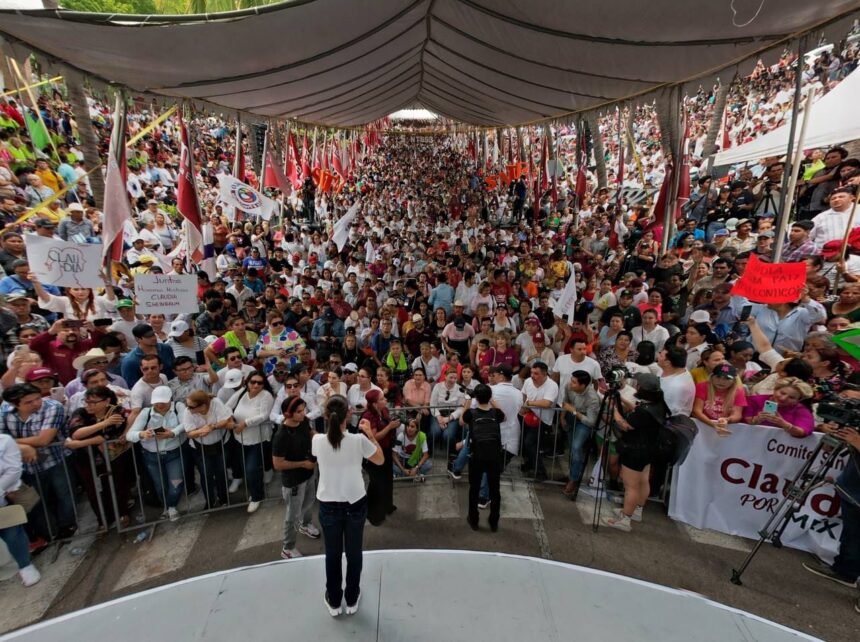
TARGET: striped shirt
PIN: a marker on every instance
(50, 416)
(830, 225)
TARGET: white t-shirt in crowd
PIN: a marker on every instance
(340, 470)
(679, 392)
(566, 366)
(548, 391)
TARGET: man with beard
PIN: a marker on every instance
(59, 346)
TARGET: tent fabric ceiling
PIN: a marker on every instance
(482, 62)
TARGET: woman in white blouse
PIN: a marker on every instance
(208, 423)
(333, 386)
(78, 303)
(343, 501)
(251, 406)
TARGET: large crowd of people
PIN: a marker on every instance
(438, 315)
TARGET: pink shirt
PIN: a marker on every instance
(716, 409)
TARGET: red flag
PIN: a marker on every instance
(241, 173)
(660, 205)
(186, 196)
(291, 144)
(291, 168)
(335, 160)
(275, 177)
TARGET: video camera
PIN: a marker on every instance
(845, 412)
(616, 376)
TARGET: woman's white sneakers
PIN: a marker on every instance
(334, 612)
(352, 610)
(29, 575)
(253, 506)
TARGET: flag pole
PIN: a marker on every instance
(788, 198)
(263, 166)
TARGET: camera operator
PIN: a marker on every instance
(845, 569)
(640, 427)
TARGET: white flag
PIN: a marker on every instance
(370, 252)
(235, 193)
(566, 303)
(340, 230)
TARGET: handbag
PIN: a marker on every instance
(12, 515)
(26, 497)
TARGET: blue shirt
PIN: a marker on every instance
(14, 283)
(442, 296)
(131, 363)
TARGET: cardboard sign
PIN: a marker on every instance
(63, 263)
(166, 293)
(771, 282)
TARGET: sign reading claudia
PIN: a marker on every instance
(166, 293)
(734, 484)
(771, 282)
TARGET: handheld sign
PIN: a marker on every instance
(63, 263)
(771, 282)
(166, 293)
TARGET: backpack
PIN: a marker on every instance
(485, 434)
(675, 438)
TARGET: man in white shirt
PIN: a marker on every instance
(446, 402)
(679, 389)
(831, 224)
(540, 393)
(576, 359)
(141, 392)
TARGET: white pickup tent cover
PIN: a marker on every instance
(835, 118)
(485, 62)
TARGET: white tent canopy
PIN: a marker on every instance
(834, 119)
(348, 62)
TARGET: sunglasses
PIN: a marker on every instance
(292, 385)
(279, 373)
(255, 382)
(276, 324)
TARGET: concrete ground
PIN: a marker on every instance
(537, 521)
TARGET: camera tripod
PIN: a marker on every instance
(808, 478)
(767, 204)
(605, 416)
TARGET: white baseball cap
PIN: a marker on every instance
(162, 394)
(177, 328)
(233, 379)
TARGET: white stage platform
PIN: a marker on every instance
(414, 596)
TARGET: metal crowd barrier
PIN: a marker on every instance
(550, 446)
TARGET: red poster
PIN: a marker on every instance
(771, 282)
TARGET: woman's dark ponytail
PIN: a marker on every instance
(336, 412)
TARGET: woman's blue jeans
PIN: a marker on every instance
(165, 469)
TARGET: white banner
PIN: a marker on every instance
(235, 193)
(64, 264)
(566, 304)
(733, 485)
(166, 293)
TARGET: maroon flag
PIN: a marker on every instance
(660, 206)
(335, 160)
(186, 196)
(292, 145)
(116, 204)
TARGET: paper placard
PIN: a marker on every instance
(166, 293)
(63, 263)
(771, 282)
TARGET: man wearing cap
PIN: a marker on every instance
(127, 321)
(632, 315)
(137, 250)
(417, 334)
(764, 245)
(743, 239)
(45, 228)
(75, 227)
(19, 306)
(93, 359)
(538, 352)
(147, 345)
(457, 334)
(799, 244)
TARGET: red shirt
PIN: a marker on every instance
(58, 356)
(377, 423)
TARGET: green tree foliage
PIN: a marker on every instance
(171, 7)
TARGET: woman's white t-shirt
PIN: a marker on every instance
(340, 470)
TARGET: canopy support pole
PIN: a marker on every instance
(782, 214)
